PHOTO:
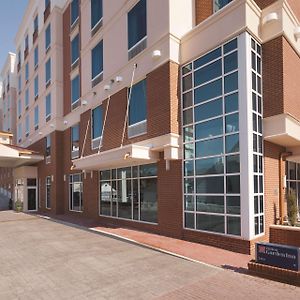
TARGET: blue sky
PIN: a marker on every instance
(11, 13)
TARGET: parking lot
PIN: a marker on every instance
(42, 259)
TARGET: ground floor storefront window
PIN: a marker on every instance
(129, 193)
(48, 192)
(75, 192)
(293, 179)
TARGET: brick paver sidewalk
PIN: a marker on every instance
(202, 253)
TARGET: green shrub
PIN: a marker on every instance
(292, 207)
(18, 206)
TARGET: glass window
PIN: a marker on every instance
(233, 184)
(19, 132)
(19, 107)
(26, 42)
(231, 103)
(74, 11)
(234, 225)
(230, 62)
(26, 98)
(231, 45)
(96, 12)
(233, 205)
(48, 192)
(97, 60)
(138, 103)
(97, 122)
(232, 123)
(207, 58)
(187, 99)
(47, 2)
(36, 116)
(26, 72)
(208, 110)
(210, 185)
(75, 49)
(36, 86)
(48, 106)
(20, 83)
(208, 72)
(208, 91)
(232, 143)
(233, 164)
(27, 124)
(187, 82)
(48, 70)
(36, 56)
(75, 138)
(76, 192)
(214, 204)
(75, 89)
(209, 166)
(209, 147)
(36, 24)
(209, 129)
(210, 223)
(231, 82)
(48, 145)
(137, 23)
(48, 37)
(218, 4)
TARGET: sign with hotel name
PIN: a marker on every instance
(276, 255)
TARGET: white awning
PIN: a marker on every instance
(283, 130)
(144, 152)
(12, 156)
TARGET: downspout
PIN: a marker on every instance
(282, 158)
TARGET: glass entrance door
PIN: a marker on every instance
(32, 198)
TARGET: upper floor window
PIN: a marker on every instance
(19, 57)
(97, 63)
(75, 91)
(19, 108)
(96, 12)
(48, 72)
(26, 42)
(218, 4)
(97, 125)
(75, 49)
(26, 72)
(75, 141)
(137, 28)
(48, 145)
(74, 11)
(138, 103)
(36, 56)
(48, 37)
(19, 133)
(27, 125)
(20, 83)
(47, 2)
(36, 86)
(48, 107)
(36, 117)
(36, 24)
(26, 98)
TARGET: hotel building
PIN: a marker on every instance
(174, 117)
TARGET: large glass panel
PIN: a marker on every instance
(74, 10)
(209, 129)
(148, 199)
(230, 62)
(234, 225)
(189, 202)
(214, 204)
(187, 82)
(75, 49)
(148, 170)
(233, 205)
(233, 184)
(187, 99)
(138, 103)
(75, 137)
(208, 110)
(208, 72)
(189, 220)
(97, 60)
(208, 91)
(210, 185)
(135, 199)
(48, 37)
(232, 123)
(124, 199)
(232, 143)
(137, 23)
(97, 122)
(231, 82)
(96, 12)
(209, 147)
(233, 164)
(207, 58)
(75, 89)
(211, 223)
(208, 166)
(105, 198)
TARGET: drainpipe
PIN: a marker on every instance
(282, 158)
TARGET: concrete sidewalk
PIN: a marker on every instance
(189, 250)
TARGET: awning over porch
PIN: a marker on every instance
(135, 154)
(12, 156)
(283, 130)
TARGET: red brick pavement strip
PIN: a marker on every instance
(193, 251)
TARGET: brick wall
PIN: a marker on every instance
(203, 9)
(285, 235)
